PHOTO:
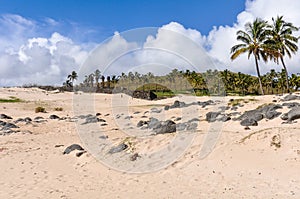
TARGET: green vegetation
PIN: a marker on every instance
(235, 102)
(267, 42)
(40, 109)
(261, 40)
(10, 100)
(58, 109)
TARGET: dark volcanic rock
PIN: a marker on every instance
(3, 116)
(9, 126)
(117, 149)
(291, 104)
(292, 114)
(53, 117)
(267, 111)
(155, 110)
(212, 116)
(72, 147)
(181, 126)
(290, 97)
(140, 123)
(38, 118)
(2, 123)
(224, 118)
(191, 126)
(147, 95)
(167, 107)
(154, 123)
(249, 122)
(92, 119)
(166, 127)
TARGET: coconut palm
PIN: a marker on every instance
(97, 75)
(253, 39)
(283, 40)
(73, 76)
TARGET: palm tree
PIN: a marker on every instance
(283, 40)
(102, 80)
(253, 42)
(73, 76)
(97, 75)
(295, 81)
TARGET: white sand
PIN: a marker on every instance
(32, 167)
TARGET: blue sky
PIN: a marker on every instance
(106, 17)
(42, 41)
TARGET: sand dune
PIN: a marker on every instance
(262, 162)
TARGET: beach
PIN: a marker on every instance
(257, 162)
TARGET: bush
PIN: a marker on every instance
(40, 109)
(58, 109)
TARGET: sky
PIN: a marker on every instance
(43, 41)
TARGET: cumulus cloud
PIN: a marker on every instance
(27, 57)
(222, 38)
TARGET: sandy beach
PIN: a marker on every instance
(261, 162)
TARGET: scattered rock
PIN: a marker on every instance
(293, 114)
(4, 116)
(53, 117)
(134, 157)
(291, 104)
(212, 116)
(249, 122)
(154, 123)
(247, 128)
(78, 154)
(166, 127)
(98, 114)
(92, 119)
(128, 117)
(191, 126)
(290, 97)
(177, 119)
(141, 123)
(155, 110)
(117, 149)
(73, 147)
(181, 126)
(103, 137)
(38, 118)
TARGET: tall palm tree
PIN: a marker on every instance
(253, 39)
(97, 75)
(283, 40)
(73, 76)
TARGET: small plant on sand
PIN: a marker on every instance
(276, 141)
(129, 142)
(235, 102)
(40, 109)
(10, 100)
(58, 109)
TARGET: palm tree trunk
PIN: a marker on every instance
(286, 75)
(258, 74)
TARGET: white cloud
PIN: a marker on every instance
(26, 57)
(221, 39)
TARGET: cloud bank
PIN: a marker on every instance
(35, 52)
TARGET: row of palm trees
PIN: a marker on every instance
(269, 42)
(209, 82)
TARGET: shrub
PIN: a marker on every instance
(58, 109)
(40, 109)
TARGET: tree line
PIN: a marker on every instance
(210, 82)
(269, 42)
